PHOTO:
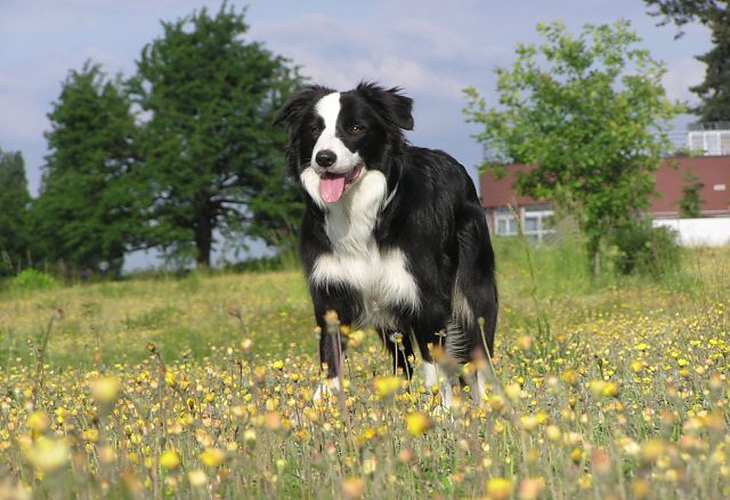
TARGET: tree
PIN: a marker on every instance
(212, 159)
(84, 213)
(714, 91)
(589, 113)
(690, 206)
(14, 200)
(682, 12)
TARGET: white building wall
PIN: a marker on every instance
(711, 231)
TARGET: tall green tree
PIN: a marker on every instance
(212, 159)
(14, 201)
(714, 91)
(681, 12)
(589, 112)
(84, 213)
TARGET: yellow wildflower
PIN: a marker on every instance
(417, 423)
(170, 460)
(387, 386)
(499, 488)
(213, 457)
(105, 389)
(48, 455)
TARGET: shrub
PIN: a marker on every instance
(30, 280)
(646, 250)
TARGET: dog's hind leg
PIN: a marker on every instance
(474, 299)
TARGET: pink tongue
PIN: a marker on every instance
(331, 188)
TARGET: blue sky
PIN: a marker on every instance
(431, 48)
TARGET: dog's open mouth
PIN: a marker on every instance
(333, 186)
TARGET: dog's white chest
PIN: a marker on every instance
(381, 276)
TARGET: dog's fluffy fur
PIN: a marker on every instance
(393, 235)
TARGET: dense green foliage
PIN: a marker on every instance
(212, 160)
(84, 214)
(714, 91)
(690, 206)
(585, 111)
(179, 154)
(682, 12)
(14, 200)
(644, 249)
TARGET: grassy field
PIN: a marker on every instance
(201, 387)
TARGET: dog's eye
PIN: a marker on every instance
(356, 129)
(315, 130)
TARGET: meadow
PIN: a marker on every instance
(201, 387)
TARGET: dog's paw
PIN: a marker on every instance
(327, 388)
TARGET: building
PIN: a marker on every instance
(709, 169)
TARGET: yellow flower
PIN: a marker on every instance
(197, 478)
(212, 457)
(570, 377)
(417, 423)
(531, 488)
(356, 339)
(278, 365)
(105, 389)
(38, 422)
(652, 450)
(387, 386)
(48, 455)
(513, 392)
(552, 432)
(249, 436)
(353, 488)
(525, 342)
(499, 488)
(529, 422)
(170, 460)
(601, 388)
(90, 435)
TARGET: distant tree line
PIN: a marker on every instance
(182, 152)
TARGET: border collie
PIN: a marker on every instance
(393, 235)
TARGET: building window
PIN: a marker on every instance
(536, 220)
(505, 222)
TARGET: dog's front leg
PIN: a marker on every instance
(335, 309)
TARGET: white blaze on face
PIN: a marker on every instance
(328, 184)
(328, 108)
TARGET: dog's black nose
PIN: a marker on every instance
(325, 158)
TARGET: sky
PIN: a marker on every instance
(432, 49)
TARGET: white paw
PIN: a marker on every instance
(327, 388)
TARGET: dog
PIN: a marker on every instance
(393, 235)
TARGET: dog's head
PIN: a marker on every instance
(335, 137)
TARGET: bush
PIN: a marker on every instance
(646, 250)
(30, 280)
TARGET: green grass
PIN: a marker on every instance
(616, 387)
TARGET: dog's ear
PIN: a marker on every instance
(396, 107)
(293, 111)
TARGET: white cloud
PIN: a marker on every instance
(681, 75)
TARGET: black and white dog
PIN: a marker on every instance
(393, 235)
